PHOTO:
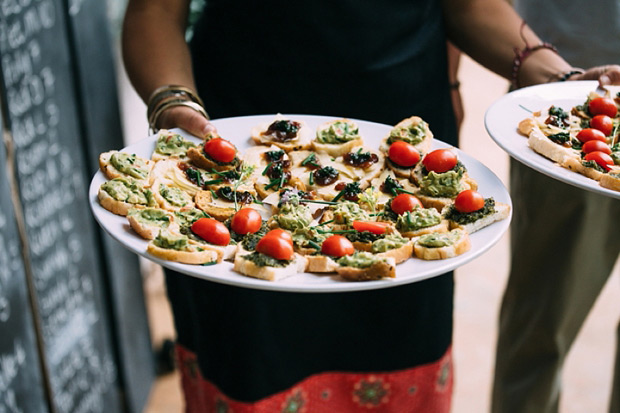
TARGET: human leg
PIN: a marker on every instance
(562, 254)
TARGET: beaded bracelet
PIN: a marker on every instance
(521, 55)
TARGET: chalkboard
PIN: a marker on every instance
(101, 132)
(21, 382)
(50, 167)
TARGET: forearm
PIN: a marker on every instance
(490, 30)
(155, 52)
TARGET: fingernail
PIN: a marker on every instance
(209, 128)
(604, 80)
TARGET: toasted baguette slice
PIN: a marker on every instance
(362, 175)
(147, 222)
(335, 149)
(171, 198)
(170, 145)
(461, 245)
(611, 181)
(194, 256)
(320, 264)
(191, 253)
(401, 128)
(133, 166)
(261, 135)
(400, 254)
(576, 165)
(218, 208)
(399, 171)
(549, 149)
(383, 268)
(134, 194)
(443, 226)
(249, 268)
(502, 211)
(198, 158)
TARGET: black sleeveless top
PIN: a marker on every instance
(381, 61)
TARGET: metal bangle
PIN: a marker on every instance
(170, 104)
(170, 91)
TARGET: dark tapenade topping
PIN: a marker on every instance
(562, 138)
(273, 156)
(283, 130)
(311, 162)
(228, 176)
(192, 174)
(360, 159)
(348, 191)
(557, 117)
(227, 193)
(390, 186)
(325, 176)
(275, 170)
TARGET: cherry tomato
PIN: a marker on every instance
(589, 134)
(337, 246)
(212, 231)
(600, 158)
(468, 201)
(220, 150)
(440, 160)
(405, 202)
(374, 227)
(246, 221)
(603, 123)
(276, 247)
(280, 233)
(602, 106)
(403, 154)
(594, 146)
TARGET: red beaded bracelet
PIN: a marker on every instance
(521, 55)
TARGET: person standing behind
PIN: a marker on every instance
(564, 239)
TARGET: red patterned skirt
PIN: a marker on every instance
(426, 388)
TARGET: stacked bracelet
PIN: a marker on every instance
(168, 96)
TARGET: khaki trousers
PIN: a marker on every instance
(564, 243)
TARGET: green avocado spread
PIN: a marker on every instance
(292, 216)
(440, 239)
(359, 259)
(130, 164)
(446, 184)
(175, 196)
(417, 219)
(128, 190)
(187, 217)
(389, 242)
(412, 134)
(346, 212)
(173, 144)
(338, 132)
(170, 241)
(151, 216)
(308, 238)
